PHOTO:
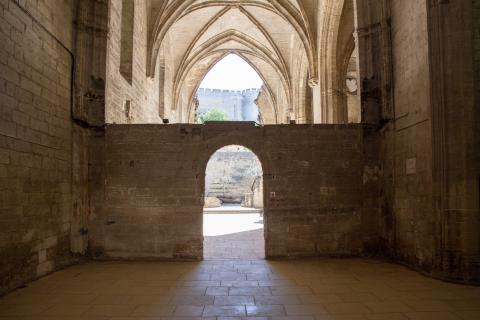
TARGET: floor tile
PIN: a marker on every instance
(305, 309)
(432, 316)
(188, 311)
(280, 300)
(234, 300)
(346, 308)
(152, 311)
(224, 311)
(110, 310)
(217, 291)
(249, 291)
(388, 307)
(265, 310)
(294, 290)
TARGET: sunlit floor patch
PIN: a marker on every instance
(223, 224)
(233, 236)
(281, 290)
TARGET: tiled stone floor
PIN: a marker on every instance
(239, 289)
(242, 245)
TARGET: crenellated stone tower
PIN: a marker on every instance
(239, 105)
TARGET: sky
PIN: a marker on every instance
(232, 73)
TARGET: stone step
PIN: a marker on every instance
(232, 210)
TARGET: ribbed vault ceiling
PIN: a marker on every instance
(271, 35)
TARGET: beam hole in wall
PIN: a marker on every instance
(229, 92)
(126, 41)
(233, 209)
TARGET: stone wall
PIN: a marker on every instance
(409, 139)
(405, 184)
(257, 193)
(36, 136)
(149, 185)
(455, 140)
(135, 101)
(476, 61)
(429, 152)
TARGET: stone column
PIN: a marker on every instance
(374, 69)
(88, 109)
(90, 55)
(373, 37)
(455, 139)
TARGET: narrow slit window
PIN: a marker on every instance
(161, 80)
(126, 50)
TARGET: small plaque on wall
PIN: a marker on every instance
(411, 166)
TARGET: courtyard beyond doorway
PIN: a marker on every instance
(232, 232)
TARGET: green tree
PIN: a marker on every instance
(213, 115)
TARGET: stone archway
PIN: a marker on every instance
(154, 211)
(256, 146)
(233, 226)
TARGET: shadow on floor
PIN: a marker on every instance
(241, 245)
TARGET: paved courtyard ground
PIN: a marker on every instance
(233, 236)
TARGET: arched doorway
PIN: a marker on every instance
(233, 205)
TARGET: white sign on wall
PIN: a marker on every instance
(411, 166)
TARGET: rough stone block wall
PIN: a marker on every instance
(430, 152)
(476, 61)
(149, 199)
(476, 106)
(35, 140)
(143, 92)
(408, 142)
(461, 215)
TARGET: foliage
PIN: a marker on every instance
(213, 115)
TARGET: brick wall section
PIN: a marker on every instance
(35, 140)
(149, 183)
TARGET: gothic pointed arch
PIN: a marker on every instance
(275, 37)
(269, 109)
(247, 44)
